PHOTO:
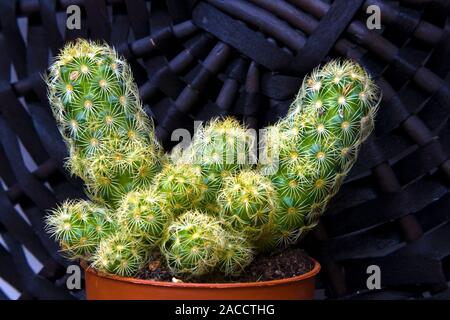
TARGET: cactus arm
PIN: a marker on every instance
(99, 114)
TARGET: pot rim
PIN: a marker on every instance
(310, 274)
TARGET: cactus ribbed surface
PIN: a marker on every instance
(99, 114)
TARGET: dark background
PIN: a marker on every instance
(199, 59)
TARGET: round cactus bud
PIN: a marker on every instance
(318, 144)
(79, 226)
(236, 254)
(247, 200)
(144, 214)
(181, 185)
(193, 244)
(120, 254)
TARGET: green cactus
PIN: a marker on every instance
(209, 209)
(181, 185)
(220, 149)
(193, 244)
(79, 226)
(144, 214)
(120, 254)
(197, 244)
(247, 200)
(318, 142)
(109, 136)
(236, 253)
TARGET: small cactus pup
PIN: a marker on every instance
(120, 254)
(318, 144)
(193, 244)
(79, 226)
(220, 149)
(99, 114)
(181, 185)
(247, 200)
(144, 214)
(236, 254)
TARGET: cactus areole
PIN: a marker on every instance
(207, 209)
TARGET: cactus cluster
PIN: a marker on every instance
(208, 208)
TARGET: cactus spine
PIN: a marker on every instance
(99, 114)
(236, 254)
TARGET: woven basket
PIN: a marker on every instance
(194, 60)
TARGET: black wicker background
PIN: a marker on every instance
(199, 59)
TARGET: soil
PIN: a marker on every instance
(277, 265)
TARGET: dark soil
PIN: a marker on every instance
(155, 270)
(278, 265)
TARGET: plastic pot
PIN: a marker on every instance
(100, 286)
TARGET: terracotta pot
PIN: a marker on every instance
(100, 286)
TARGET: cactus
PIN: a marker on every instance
(197, 244)
(109, 136)
(79, 226)
(318, 143)
(209, 209)
(220, 149)
(144, 214)
(193, 244)
(120, 254)
(236, 253)
(181, 185)
(247, 201)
